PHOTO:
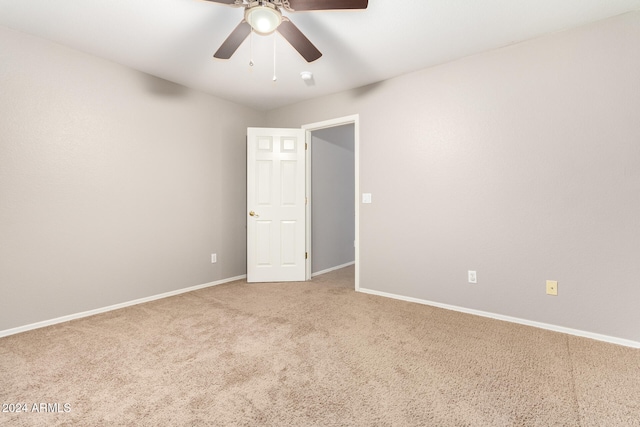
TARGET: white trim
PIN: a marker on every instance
(308, 207)
(88, 313)
(355, 119)
(555, 328)
(328, 270)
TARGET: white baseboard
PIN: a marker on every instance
(338, 267)
(88, 313)
(555, 328)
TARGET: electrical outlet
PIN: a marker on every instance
(552, 287)
(214, 258)
(472, 276)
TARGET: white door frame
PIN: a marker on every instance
(355, 120)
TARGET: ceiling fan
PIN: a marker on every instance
(265, 16)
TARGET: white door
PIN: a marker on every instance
(275, 205)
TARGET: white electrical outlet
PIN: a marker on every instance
(472, 276)
(214, 258)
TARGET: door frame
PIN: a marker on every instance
(308, 128)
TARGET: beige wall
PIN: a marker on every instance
(521, 163)
(114, 185)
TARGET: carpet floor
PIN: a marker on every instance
(310, 354)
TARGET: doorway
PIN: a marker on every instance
(332, 183)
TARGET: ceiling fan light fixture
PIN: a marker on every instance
(264, 17)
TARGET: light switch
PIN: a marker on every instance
(366, 197)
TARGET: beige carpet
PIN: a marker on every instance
(311, 354)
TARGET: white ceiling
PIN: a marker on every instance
(175, 39)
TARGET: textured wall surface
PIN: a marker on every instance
(114, 185)
(521, 163)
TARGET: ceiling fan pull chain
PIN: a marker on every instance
(251, 48)
(274, 58)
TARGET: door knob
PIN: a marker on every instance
(252, 213)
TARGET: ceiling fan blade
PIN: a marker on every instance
(298, 40)
(302, 5)
(223, 1)
(235, 39)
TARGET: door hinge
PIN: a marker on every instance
(306, 255)
(306, 201)
(305, 145)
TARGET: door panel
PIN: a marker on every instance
(276, 205)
